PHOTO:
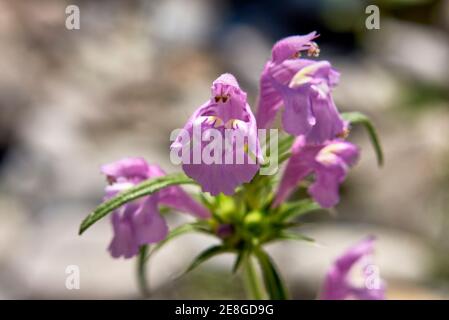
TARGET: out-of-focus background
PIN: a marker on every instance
(72, 100)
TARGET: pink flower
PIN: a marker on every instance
(226, 122)
(329, 162)
(304, 87)
(139, 222)
(337, 284)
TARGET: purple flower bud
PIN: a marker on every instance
(225, 230)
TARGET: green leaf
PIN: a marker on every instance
(284, 157)
(298, 208)
(285, 235)
(145, 188)
(238, 261)
(206, 255)
(283, 149)
(207, 200)
(273, 282)
(200, 226)
(360, 118)
(285, 144)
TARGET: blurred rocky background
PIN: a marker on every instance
(71, 100)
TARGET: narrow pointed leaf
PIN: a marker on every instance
(238, 261)
(285, 235)
(143, 189)
(285, 144)
(207, 200)
(283, 150)
(273, 282)
(284, 157)
(298, 208)
(360, 118)
(200, 226)
(206, 255)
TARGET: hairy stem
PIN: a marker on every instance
(141, 271)
(254, 289)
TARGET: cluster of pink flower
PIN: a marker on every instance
(303, 87)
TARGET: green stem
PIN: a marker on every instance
(141, 271)
(253, 286)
